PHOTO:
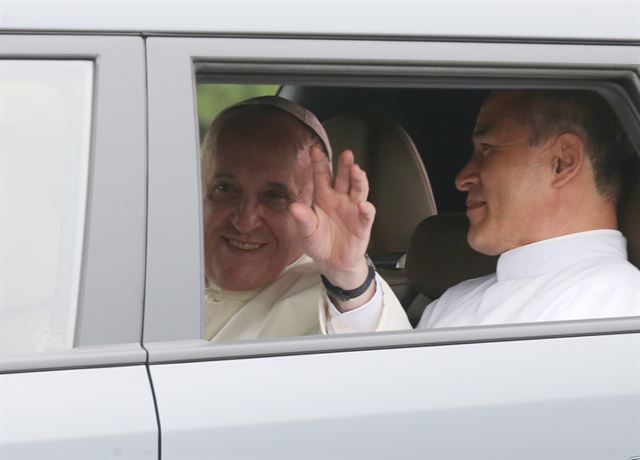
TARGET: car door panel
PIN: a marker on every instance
(82, 392)
(562, 398)
(79, 413)
(554, 394)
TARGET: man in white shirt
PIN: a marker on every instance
(542, 185)
(274, 222)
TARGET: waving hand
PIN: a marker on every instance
(335, 232)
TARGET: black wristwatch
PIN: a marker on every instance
(347, 294)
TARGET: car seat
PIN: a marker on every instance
(399, 188)
(440, 257)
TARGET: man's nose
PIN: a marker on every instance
(247, 216)
(467, 176)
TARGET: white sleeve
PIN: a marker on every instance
(427, 319)
(362, 319)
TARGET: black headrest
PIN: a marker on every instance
(440, 257)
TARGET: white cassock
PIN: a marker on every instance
(295, 304)
(577, 276)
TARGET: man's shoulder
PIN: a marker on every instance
(470, 286)
(609, 289)
(613, 280)
(606, 270)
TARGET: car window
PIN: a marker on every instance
(441, 139)
(45, 132)
(434, 104)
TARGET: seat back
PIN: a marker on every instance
(440, 257)
(399, 185)
(399, 188)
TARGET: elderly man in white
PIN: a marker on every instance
(542, 186)
(275, 221)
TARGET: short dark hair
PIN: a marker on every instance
(586, 113)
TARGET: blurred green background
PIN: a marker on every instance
(215, 97)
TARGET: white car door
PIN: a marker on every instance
(471, 394)
(558, 390)
(73, 380)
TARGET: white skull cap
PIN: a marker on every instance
(295, 110)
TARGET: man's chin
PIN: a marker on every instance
(482, 245)
(241, 281)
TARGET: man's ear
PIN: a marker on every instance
(568, 157)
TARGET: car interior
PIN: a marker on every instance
(412, 142)
(437, 124)
(399, 188)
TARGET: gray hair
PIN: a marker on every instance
(547, 113)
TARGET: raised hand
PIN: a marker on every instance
(335, 232)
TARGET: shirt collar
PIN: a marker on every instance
(555, 254)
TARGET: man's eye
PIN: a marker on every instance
(485, 149)
(221, 190)
(276, 195)
(276, 199)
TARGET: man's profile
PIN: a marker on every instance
(274, 222)
(543, 182)
(542, 185)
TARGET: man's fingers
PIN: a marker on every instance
(321, 170)
(367, 213)
(359, 184)
(305, 218)
(342, 174)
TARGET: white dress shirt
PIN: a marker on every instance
(577, 276)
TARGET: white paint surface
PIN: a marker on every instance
(569, 19)
(488, 400)
(78, 414)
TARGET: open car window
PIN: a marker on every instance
(423, 99)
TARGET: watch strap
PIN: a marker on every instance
(347, 294)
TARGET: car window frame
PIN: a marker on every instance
(174, 302)
(110, 303)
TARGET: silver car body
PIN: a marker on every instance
(138, 381)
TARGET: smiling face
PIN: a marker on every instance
(506, 180)
(249, 179)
